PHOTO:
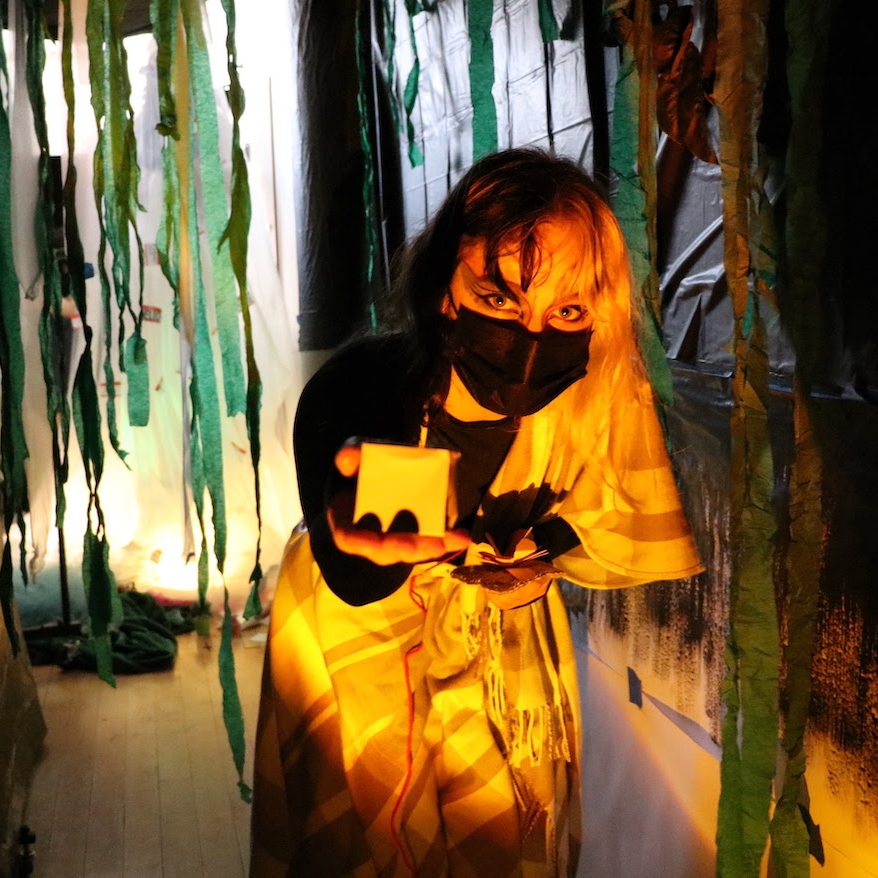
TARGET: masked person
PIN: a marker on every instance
(420, 710)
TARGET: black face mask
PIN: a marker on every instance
(510, 370)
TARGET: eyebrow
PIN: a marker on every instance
(574, 297)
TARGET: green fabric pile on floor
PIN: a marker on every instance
(145, 641)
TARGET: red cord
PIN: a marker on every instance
(409, 759)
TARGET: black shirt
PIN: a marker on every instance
(370, 390)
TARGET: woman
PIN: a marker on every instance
(420, 709)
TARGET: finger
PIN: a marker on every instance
(414, 548)
(347, 460)
(385, 549)
(368, 544)
(457, 540)
(395, 548)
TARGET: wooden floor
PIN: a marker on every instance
(138, 781)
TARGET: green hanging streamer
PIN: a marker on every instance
(634, 166)
(137, 370)
(13, 447)
(163, 16)
(416, 156)
(410, 95)
(750, 690)
(168, 235)
(404, 106)
(116, 178)
(49, 329)
(199, 484)
(87, 421)
(207, 425)
(233, 716)
(388, 10)
(102, 596)
(213, 193)
(371, 219)
(236, 233)
(227, 254)
(97, 576)
(481, 77)
(805, 233)
(548, 23)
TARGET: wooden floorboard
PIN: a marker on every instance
(139, 781)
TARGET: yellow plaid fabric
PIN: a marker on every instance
(430, 733)
(395, 740)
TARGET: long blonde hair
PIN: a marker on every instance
(595, 410)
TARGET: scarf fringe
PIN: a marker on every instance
(529, 733)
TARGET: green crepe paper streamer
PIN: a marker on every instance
(548, 22)
(232, 713)
(410, 91)
(416, 155)
(207, 444)
(253, 607)
(111, 100)
(137, 371)
(199, 485)
(410, 95)
(50, 319)
(13, 447)
(168, 235)
(388, 13)
(481, 77)
(749, 729)
(87, 420)
(236, 232)
(116, 177)
(206, 428)
(750, 689)
(163, 17)
(12, 443)
(630, 205)
(363, 63)
(807, 24)
(104, 606)
(103, 599)
(213, 192)
(203, 391)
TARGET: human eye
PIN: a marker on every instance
(570, 313)
(498, 301)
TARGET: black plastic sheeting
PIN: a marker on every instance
(329, 201)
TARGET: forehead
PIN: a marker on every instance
(560, 255)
